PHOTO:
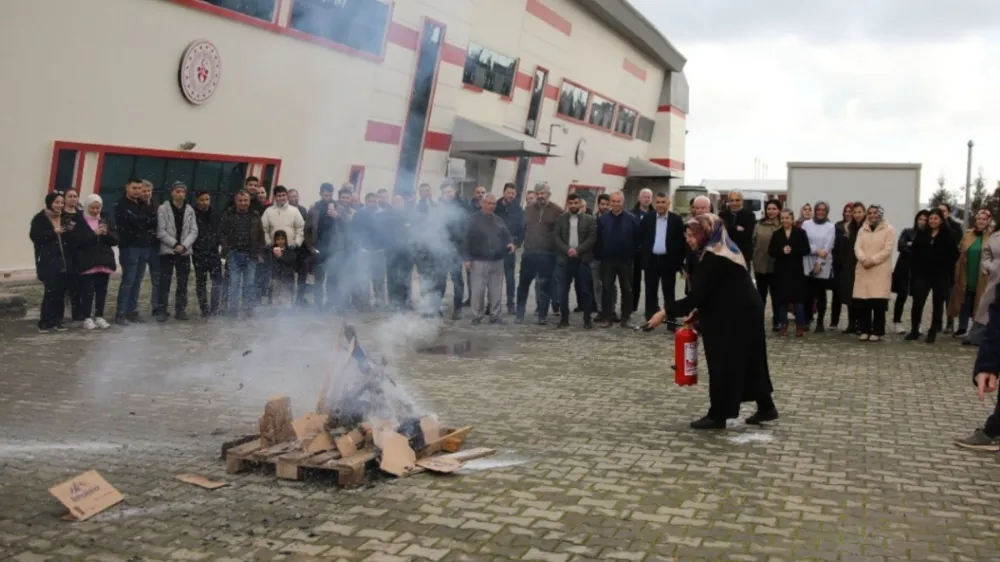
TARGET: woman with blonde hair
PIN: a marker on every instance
(873, 273)
(970, 279)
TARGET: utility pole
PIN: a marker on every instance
(968, 187)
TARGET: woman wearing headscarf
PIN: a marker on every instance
(970, 280)
(95, 261)
(990, 265)
(901, 274)
(53, 260)
(818, 265)
(873, 273)
(731, 318)
(844, 248)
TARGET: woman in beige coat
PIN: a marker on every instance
(970, 279)
(989, 265)
(873, 274)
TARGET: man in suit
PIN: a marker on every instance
(663, 250)
(740, 224)
(575, 238)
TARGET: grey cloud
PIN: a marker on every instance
(691, 21)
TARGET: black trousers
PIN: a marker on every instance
(576, 272)
(399, 278)
(637, 281)
(93, 294)
(540, 268)
(835, 304)
(765, 283)
(53, 302)
(74, 289)
(938, 288)
(897, 306)
(622, 271)
(816, 299)
(661, 277)
(168, 263)
(203, 272)
(871, 316)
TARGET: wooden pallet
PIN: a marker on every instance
(290, 462)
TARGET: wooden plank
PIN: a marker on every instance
(237, 442)
(244, 450)
(451, 442)
(461, 456)
(266, 455)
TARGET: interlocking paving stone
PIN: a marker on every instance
(603, 466)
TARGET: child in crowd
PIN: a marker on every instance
(283, 259)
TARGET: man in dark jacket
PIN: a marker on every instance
(136, 227)
(740, 224)
(205, 251)
(985, 377)
(486, 243)
(241, 234)
(619, 240)
(575, 238)
(451, 218)
(509, 210)
(643, 207)
(957, 232)
(663, 252)
(538, 261)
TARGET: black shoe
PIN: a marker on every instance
(519, 320)
(511, 311)
(578, 309)
(135, 318)
(931, 337)
(960, 333)
(162, 317)
(776, 328)
(819, 328)
(625, 323)
(205, 315)
(708, 423)
(563, 324)
(497, 321)
(477, 321)
(609, 324)
(761, 417)
(180, 315)
(587, 324)
(541, 321)
(912, 336)
(121, 320)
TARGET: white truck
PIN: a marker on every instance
(896, 187)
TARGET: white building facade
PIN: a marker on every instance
(583, 94)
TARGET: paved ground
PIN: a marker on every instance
(599, 462)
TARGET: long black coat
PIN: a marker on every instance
(789, 276)
(53, 251)
(901, 273)
(843, 251)
(742, 238)
(731, 319)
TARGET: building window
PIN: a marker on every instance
(573, 101)
(625, 124)
(418, 112)
(537, 96)
(489, 70)
(260, 9)
(602, 112)
(644, 130)
(221, 179)
(65, 170)
(358, 24)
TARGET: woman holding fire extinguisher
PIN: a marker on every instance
(730, 314)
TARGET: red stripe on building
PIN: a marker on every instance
(523, 81)
(539, 160)
(404, 36)
(549, 16)
(385, 133)
(452, 54)
(614, 170)
(634, 70)
(437, 141)
(670, 109)
(668, 163)
(551, 92)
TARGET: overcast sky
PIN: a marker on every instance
(848, 80)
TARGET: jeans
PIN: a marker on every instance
(329, 276)
(509, 264)
(538, 267)
(872, 316)
(53, 302)
(576, 272)
(242, 281)
(204, 270)
(93, 294)
(660, 277)
(938, 289)
(168, 263)
(133, 263)
(622, 271)
(800, 314)
(764, 282)
(966, 314)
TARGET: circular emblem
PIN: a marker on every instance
(201, 69)
(580, 152)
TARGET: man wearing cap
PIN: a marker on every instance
(176, 229)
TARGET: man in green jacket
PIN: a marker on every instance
(575, 238)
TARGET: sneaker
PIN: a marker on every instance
(89, 324)
(46, 330)
(180, 315)
(497, 320)
(979, 441)
(863, 337)
(959, 333)
(898, 328)
(875, 339)
(912, 336)
(101, 323)
(60, 328)
(121, 320)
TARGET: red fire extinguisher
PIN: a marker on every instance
(686, 356)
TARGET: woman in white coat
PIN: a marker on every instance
(818, 265)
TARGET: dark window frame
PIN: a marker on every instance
(586, 105)
(639, 131)
(411, 142)
(622, 110)
(381, 31)
(537, 101)
(228, 6)
(474, 54)
(611, 118)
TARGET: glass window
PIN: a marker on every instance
(644, 130)
(260, 9)
(267, 178)
(358, 24)
(419, 110)
(535, 107)
(489, 70)
(602, 112)
(179, 170)
(65, 169)
(625, 124)
(573, 101)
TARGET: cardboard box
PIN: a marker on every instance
(86, 495)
